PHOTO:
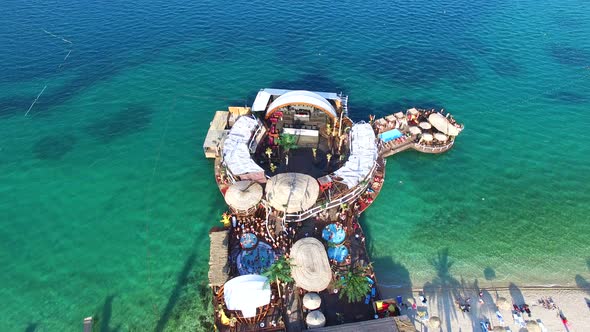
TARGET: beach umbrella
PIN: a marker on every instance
(434, 322)
(399, 115)
(413, 111)
(292, 192)
(503, 303)
(311, 268)
(243, 195)
(532, 326)
(312, 301)
(442, 124)
(315, 319)
(390, 118)
(415, 130)
(425, 125)
(381, 121)
(426, 137)
(441, 137)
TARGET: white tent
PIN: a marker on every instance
(246, 293)
(363, 153)
(236, 155)
(262, 99)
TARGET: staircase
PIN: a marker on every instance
(344, 103)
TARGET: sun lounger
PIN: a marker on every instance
(484, 326)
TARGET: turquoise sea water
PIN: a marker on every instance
(106, 197)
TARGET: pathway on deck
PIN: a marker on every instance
(295, 322)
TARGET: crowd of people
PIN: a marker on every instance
(280, 241)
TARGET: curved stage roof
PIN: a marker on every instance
(302, 97)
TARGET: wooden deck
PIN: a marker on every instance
(410, 141)
(287, 312)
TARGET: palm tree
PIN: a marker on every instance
(279, 271)
(354, 285)
(287, 142)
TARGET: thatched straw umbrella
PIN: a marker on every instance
(434, 322)
(503, 303)
(413, 111)
(315, 319)
(311, 269)
(532, 326)
(312, 301)
(292, 192)
(243, 195)
(399, 115)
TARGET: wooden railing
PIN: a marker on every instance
(433, 149)
(347, 198)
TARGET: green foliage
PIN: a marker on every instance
(354, 285)
(287, 141)
(279, 270)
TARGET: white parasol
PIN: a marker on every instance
(434, 322)
(425, 125)
(415, 130)
(426, 137)
(312, 301)
(441, 137)
(315, 319)
(443, 125)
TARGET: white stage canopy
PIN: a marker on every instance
(363, 154)
(246, 293)
(302, 97)
(236, 155)
(262, 99)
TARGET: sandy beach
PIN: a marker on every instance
(573, 303)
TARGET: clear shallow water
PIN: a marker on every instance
(107, 199)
